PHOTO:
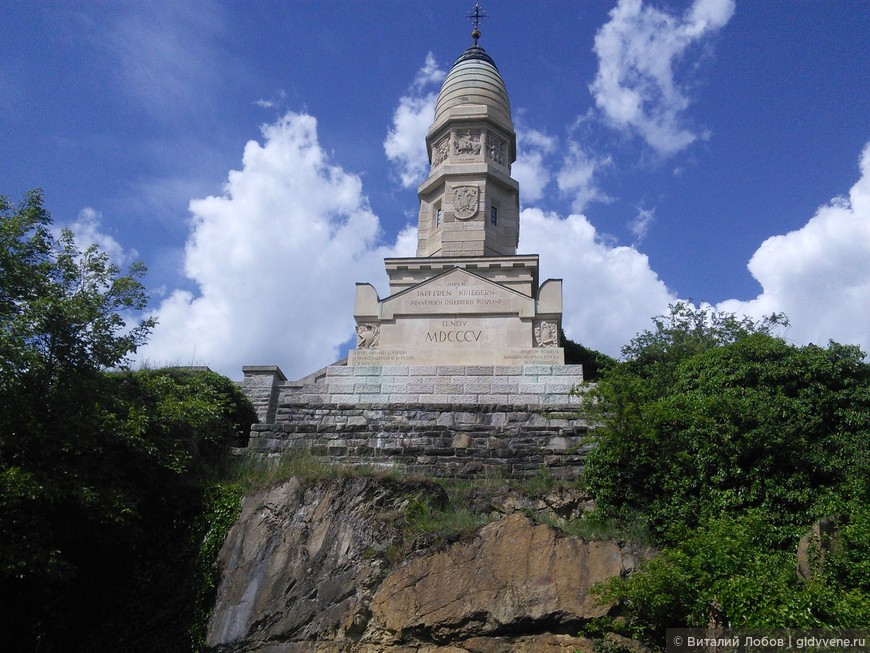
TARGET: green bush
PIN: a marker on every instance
(103, 476)
(729, 570)
(182, 420)
(729, 443)
(756, 423)
(104, 547)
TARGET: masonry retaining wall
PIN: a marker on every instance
(447, 421)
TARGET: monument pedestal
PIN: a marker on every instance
(460, 311)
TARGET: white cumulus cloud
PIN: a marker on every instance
(531, 169)
(578, 176)
(405, 144)
(87, 229)
(275, 259)
(609, 293)
(641, 223)
(635, 87)
(819, 275)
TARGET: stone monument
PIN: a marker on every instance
(467, 298)
(458, 371)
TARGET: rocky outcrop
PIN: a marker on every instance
(515, 574)
(558, 504)
(315, 569)
(302, 562)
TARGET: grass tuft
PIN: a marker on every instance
(255, 471)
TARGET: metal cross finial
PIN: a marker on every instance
(476, 16)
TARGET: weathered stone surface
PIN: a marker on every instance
(508, 385)
(304, 571)
(302, 563)
(822, 539)
(514, 443)
(514, 572)
(560, 504)
(622, 643)
(545, 643)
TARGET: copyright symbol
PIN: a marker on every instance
(678, 641)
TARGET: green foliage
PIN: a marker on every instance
(728, 569)
(102, 475)
(728, 443)
(61, 309)
(128, 532)
(594, 362)
(179, 418)
(686, 331)
(61, 323)
(221, 509)
(593, 526)
(446, 523)
(755, 423)
(850, 562)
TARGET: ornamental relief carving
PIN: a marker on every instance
(467, 143)
(368, 336)
(495, 148)
(546, 333)
(440, 151)
(465, 201)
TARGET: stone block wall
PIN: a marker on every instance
(514, 385)
(442, 440)
(261, 385)
(448, 421)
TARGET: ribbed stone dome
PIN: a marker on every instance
(474, 79)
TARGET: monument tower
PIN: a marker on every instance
(458, 371)
(469, 205)
(467, 297)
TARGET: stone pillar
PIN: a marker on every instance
(261, 386)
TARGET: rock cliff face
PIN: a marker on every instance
(314, 569)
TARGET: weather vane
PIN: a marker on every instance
(476, 16)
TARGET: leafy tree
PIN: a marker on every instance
(61, 324)
(62, 309)
(727, 443)
(593, 362)
(104, 499)
(755, 423)
(688, 330)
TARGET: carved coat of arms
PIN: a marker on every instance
(546, 334)
(465, 201)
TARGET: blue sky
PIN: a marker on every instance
(261, 157)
